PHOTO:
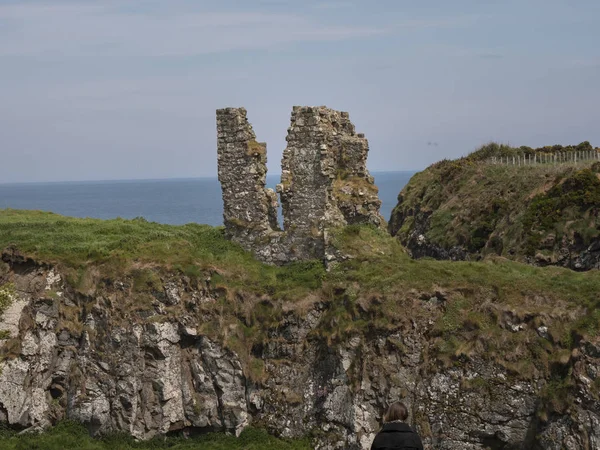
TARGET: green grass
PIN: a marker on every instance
(515, 212)
(119, 246)
(7, 291)
(565, 203)
(381, 263)
(72, 436)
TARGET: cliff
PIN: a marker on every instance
(151, 329)
(539, 206)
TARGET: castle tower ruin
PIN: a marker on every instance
(249, 208)
(324, 184)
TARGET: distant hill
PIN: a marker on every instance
(539, 206)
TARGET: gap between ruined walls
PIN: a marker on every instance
(325, 184)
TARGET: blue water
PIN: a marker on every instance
(176, 201)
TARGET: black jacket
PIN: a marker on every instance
(397, 436)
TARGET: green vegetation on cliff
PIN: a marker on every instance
(72, 436)
(470, 310)
(119, 247)
(543, 213)
(574, 199)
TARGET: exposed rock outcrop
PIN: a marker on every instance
(80, 357)
(324, 184)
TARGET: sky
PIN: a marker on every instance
(120, 89)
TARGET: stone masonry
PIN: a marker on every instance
(324, 184)
(250, 210)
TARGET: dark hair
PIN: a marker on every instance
(396, 411)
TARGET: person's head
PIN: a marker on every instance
(396, 411)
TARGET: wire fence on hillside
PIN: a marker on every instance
(573, 157)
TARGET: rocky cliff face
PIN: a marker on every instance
(93, 357)
(542, 214)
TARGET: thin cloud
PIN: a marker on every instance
(442, 22)
(586, 63)
(78, 29)
(490, 56)
(331, 5)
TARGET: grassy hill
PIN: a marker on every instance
(536, 213)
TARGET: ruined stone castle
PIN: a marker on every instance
(324, 184)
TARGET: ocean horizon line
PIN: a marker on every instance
(174, 179)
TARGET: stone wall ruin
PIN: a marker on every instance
(324, 184)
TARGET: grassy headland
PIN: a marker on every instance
(528, 213)
(379, 289)
(121, 246)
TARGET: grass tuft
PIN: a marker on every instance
(72, 436)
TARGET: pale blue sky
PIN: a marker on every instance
(119, 89)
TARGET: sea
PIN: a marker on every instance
(171, 201)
